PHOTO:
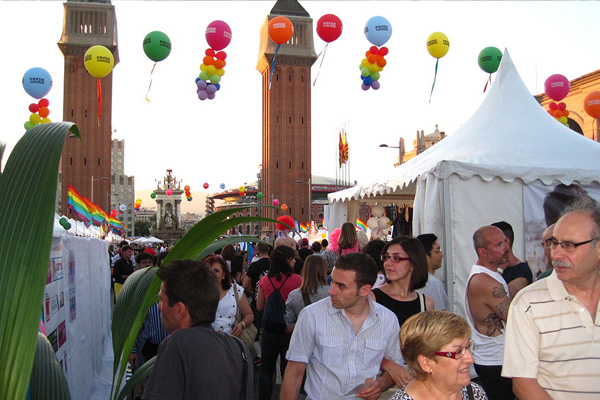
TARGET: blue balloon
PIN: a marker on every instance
(222, 186)
(368, 80)
(197, 79)
(218, 85)
(37, 82)
(378, 31)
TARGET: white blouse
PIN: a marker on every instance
(226, 312)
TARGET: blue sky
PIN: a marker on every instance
(220, 140)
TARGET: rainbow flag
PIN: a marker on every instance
(78, 204)
(303, 228)
(117, 226)
(98, 215)
(361, 224)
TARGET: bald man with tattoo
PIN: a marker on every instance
(486, 305)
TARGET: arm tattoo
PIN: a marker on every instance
(493, 323)
(502, 308)
(498, 292)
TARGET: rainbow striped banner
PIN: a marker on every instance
(117, 226)
(303, 228)
(361, 224)
(78, 204)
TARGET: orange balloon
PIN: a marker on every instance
(382, 62)
(558, 113)
(208, 60)
(372, 58)
(44, 112)
(565, 113)
(280, 29)
(284, 207)
(591, 104)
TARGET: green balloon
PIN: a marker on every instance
(67, 226)
(157, 46)
(489, 59)
(259, 195)
(153, 195)
(365, 71)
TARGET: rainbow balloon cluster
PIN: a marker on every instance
(557, 88)
(371, 66)
(188, 194)
(37, 82)
(242, 190)
(218, 36)
(137, 205)
(559, 111)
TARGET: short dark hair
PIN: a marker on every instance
(324, 242)
(373, 248)
(126, 247)
(316, 247)
(362, 264)
(143, 256)
(427, 240)
(237, 264)
(416, 252)
(263, 247)
(228, 252)
(507, 229)
(192, 283)
(556, 201)
(161, 256)
(226, 282)
(123, 243)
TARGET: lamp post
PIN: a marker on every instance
(399, 147)
(104, 178)
(309, 197)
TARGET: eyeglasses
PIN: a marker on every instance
(552, 244)
(458, 354)
(394, 258)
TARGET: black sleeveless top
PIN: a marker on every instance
(403, 309)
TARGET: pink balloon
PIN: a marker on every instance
(557, 87)
(375, 85)
(364, 87)
(169, 192)
(275, 202)
(218, 35)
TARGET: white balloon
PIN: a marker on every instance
(378, 210)
(376, 233)
(372, 223)
(122, 207)
(384, 223)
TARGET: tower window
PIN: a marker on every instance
(302, 120)
(71, 161)
(302, 164)
(72, 112)
(98, 161)
(289, 78)
(290, 165)
(290, 119)
(85, 114)
(277, 164)
(84, 161)
(302, 78)
(277, 119)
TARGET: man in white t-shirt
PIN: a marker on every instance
(434, 287)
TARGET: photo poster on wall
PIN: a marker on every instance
(543, 205)
(54, 310)
(72, 298)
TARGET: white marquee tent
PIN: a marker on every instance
(477, 175)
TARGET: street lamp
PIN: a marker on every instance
(104, 178)
(399, 147)
(309, 197)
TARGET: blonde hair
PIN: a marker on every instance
(314, 274)
(426, 333)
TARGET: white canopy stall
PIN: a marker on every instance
(477, 175)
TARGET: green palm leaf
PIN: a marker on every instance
(27, 196)
(47, 378)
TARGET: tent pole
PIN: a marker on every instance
(449, 270)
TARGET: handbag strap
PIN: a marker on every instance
(306, 299)
(470, 392)
(422, 301)
(238, 313)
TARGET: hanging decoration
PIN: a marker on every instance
(489, 61)
(280, 30)
(218, 37)
(378, 223)
(378, 31)
(137, 205)
(157, 47)
(329, 29)
(557, 87)
(99, 62)
(188, 194)
(37, 82)
(437, 46)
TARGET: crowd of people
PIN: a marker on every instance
(350, 319)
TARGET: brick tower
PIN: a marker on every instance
(286, 137)
(86, 163)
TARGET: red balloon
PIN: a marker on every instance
(43, 103)
(562, 106)
(34, 108)
(210, 52)
(113, 213)
(374, 50)
(280, 29)
(329, 27)
(205, 186)
(221, 55)
(553, 106)
(218, 35)
(591, 104)
(383, 51)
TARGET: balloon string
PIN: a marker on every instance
(324, 51)
(489, 81)
(273, 65)
(434, 78)
(150, 85)
(99, 99)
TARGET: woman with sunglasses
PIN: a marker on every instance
(437, 348)
(405, 266)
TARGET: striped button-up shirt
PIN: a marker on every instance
(338, 360)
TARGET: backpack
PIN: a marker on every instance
(273, 314)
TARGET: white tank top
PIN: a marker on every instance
(487, 350)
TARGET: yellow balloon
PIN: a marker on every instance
(438, 44)
(211, 70)
(374, 68)
(365, 63)
(46, 120)
(242, 189)
(220, 72)
(35, 119)
(99, 61)
(202, 67)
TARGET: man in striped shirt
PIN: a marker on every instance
(552, 347)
